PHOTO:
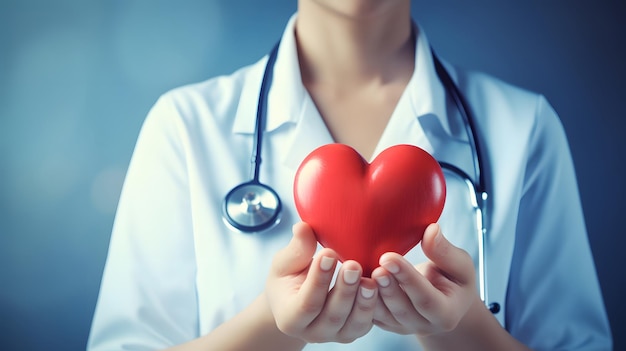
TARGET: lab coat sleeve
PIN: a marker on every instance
(554, 300)
(148, 298)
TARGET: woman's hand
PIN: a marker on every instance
(302, 301)
(428, 299)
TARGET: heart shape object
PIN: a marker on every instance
(363, 210)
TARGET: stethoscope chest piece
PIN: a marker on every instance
(252, 207)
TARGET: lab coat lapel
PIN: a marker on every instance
(403, 128)
(291, 113)
(285, 91)
(424, 96)
(425, 117)
(309, 133)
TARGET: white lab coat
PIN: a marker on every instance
(175, 272)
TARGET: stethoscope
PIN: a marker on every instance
(253, 207)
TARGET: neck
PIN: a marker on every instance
(354, 43)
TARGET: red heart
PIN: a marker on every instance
(363, 210)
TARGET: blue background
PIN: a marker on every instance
(78, 77)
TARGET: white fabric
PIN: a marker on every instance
(175, 271)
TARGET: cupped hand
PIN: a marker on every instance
(430, 298)
(302, 300)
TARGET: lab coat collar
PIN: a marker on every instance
(427, 94)
(288, 98)
(420, 116)
(286, 95)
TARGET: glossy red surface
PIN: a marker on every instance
(363, 210)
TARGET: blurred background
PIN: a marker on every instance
(78, 77)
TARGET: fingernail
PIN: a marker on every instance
(367, 293)
(327, 263)
(350, 276)
(383, 281)
(391, 267)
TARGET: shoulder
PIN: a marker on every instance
(216, 98)
(505, 108)
(493, 95)
(520, 132)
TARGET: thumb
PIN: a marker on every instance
(455, 262)
(297, 255)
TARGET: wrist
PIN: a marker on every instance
(271, 334)
(253, 328)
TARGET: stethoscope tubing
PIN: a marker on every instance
(477, 190)
(237, 211)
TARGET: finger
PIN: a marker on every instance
(349, 307)
(400, 309)
(340, 300)
(312, 295)
(360, 321)
(421, 295)
(454, 262)
(297, 255)
(382, 316)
